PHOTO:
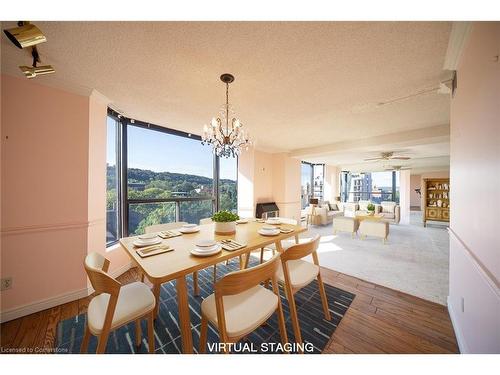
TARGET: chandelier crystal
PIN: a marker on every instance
(225, 132)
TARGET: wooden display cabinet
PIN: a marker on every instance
(436, 195)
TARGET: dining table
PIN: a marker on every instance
(177, 264)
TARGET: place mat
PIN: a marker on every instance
(169, 234)
(232, 245)
(153, 250)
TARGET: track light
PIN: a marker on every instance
(33, 71)
(25, 35)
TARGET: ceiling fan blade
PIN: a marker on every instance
(400, 158)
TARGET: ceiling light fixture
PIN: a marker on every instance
(33, 71)
(25, 35)
(225, 133)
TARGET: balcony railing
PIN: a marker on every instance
(374, 196)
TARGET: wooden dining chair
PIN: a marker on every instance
(115, 305)
(272, 247)
(240, 304)
(295, 273)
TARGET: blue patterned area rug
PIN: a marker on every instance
(316, 331)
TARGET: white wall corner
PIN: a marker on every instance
(100, 97)
(460, 31)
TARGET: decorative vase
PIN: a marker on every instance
(227, 227)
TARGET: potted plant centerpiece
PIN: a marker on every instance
(225, 222)
(371, 209)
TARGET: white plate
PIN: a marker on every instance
(142, 243)
(206, 249)
(269, 233)
(148, 236)
(273, 221)
(218, 249)
(189, 230)
(206, 243)
(188, 226)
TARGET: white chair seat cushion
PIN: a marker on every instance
(244, 311)
(301, 272)
(134, 300)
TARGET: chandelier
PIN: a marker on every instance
(225, 132)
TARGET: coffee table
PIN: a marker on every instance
(375, 217)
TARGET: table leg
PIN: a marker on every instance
(278, 246)
(156, 292)
(184, 317)
(247, 259)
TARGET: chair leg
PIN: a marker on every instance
(102, 341)
(261, 255)
(196, 287)
(294, 316)
(281, 318)
(85, 342)
(203, 334)
(215, 273)
(324, 300)
(242, 264)
(151, 333)
(138, 334)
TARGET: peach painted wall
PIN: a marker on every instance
(286, 185)
(52, 194)
(415, 183)
(255, 180)
(474, 300)
(263, 177)
(44, 190)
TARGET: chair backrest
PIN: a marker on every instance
(161, 227)
(208, 220)
(239, 281)
(302, 250)
(96, 267)
(286, 220)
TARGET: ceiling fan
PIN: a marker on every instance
(388, 156)
(396, 168)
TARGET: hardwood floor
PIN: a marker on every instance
(380, 320)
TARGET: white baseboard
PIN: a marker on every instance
(30, 308)
(458, 333)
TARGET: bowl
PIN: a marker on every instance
(189, 226)
(147, 236)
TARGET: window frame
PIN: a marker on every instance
(122, 175)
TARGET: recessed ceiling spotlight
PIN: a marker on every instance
(25, 35)
(132, 121)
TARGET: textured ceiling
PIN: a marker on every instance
(297, 84)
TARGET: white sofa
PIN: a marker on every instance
(323, 214)
(390, 210)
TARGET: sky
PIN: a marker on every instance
(160, 152)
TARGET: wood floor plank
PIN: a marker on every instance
(50, 333)
(8, 332)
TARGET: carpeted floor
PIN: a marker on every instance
(315, 329)
(415, 259)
